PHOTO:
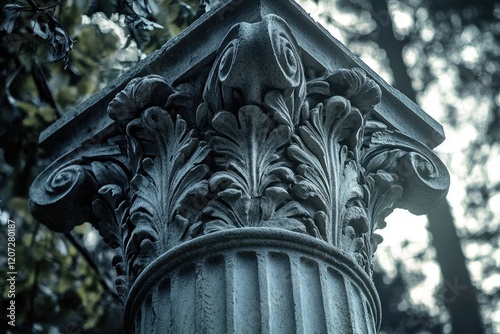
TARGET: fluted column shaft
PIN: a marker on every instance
(253, 280)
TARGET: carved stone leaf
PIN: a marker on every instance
(382, 191)
(203, 116)
(112, 209)
(351, 242)
(139, 94)
(319, 151)
(109, 224)
(278, 105)
(247, 149)
(166, 180)
(354, 85)
(351, 195)
(318, 87)
(251, 185)
(229, 211)
(375, 240)
(289, 215)
(110, 172)
(142, 203)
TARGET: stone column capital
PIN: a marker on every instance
(259, 136)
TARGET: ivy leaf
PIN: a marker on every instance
(61, 44)
(143, 23)
(10, 13)
(50, 30)
(138, 14)
(185, 15)
(38, 25)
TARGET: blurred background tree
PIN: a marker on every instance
(445, 55)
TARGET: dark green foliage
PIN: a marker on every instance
(51, 60)
(32, 27)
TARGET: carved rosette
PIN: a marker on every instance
(263, 147)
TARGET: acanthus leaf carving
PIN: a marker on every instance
(281, 111)
(170, 174)
(352, 84)
(381, 192)
(138, 95)
(112, 211)
(251, 185)
(142, 204)
(324, 150)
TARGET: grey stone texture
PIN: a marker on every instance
(240, 173)
(254, 280)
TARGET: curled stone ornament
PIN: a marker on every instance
(254, 59)
(353, 84)
(418, 170)
(397, 172)
(67, 186)
(63, 193)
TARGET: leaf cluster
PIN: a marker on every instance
(32, 27)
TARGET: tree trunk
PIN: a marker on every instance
(458, 293)
(392, 47)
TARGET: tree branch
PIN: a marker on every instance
(92, 263)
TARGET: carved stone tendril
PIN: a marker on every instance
(422, 175)
(254, 59)
(63, 195)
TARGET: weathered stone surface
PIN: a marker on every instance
(254, 280)
(267, 142)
